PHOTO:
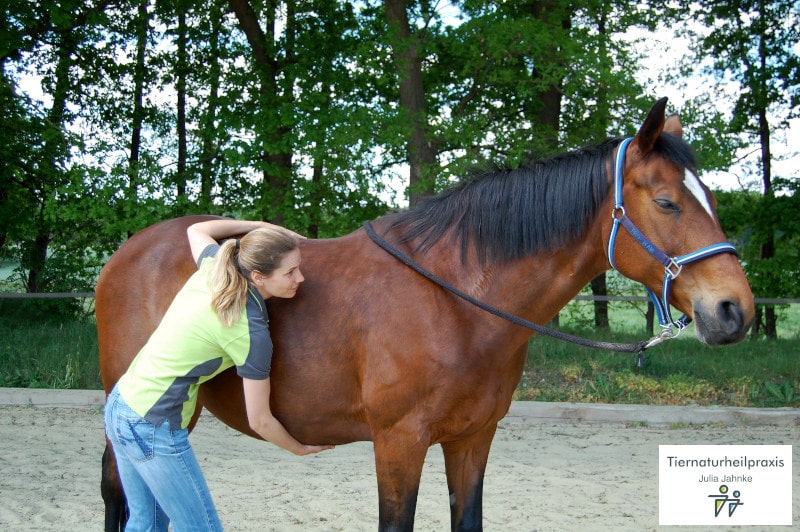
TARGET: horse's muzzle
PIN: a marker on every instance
(726, 325)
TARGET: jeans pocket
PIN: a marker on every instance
(137, 437)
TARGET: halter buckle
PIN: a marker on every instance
(673, 269)
(666, 333)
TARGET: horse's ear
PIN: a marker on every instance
(673, 125)
(651, 128)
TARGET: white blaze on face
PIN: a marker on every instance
(694, 186)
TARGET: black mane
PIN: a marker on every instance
(540, 206)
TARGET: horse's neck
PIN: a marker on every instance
(537, 287)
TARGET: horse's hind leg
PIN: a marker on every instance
(113, 496)
(465, 464)
(398, 465)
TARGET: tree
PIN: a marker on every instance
(751, 43)
(272, 127)
(339, 121)
(39, 177)
(296, 111)
(408, 61)
(140, 74)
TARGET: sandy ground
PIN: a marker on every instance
(542, 476)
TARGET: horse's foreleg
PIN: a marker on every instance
(398, 465)
(113, 496)
(465, 464)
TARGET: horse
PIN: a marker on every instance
(370, 350)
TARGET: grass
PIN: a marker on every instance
(49, 355)
(756, 373)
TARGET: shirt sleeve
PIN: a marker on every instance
(210, 251)
(254, 359)
(257, 364)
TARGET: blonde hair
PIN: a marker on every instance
(259, 250)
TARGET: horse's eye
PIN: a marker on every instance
(667, 205)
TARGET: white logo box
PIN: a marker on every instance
(725, 485)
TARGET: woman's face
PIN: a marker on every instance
(284, 281)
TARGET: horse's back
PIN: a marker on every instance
(134, 289)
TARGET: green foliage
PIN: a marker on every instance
(60, 274)
(752, 220)
(781, 394)
(296, 117)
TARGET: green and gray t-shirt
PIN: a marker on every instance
(191, 346)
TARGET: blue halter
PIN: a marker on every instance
(672, 265)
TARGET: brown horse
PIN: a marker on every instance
(371, 350)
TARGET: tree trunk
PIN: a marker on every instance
(140, 70)
(276, 158)
(181, 70)
(600, 307)
(650, 317)
(758, 320)
(546, 112)
(35, 261)
(55, 152)
(761, 96)
(421, 152)
(767, 250)
(599, 285)
(208, 131)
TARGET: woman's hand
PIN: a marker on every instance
(312, 449)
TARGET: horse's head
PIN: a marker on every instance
(675, 213)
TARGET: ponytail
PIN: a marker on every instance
(259, 250)
(228, 285)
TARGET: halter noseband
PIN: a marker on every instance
(672, 265)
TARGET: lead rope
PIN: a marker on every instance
(637, 348)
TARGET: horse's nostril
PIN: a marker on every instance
(730, 315)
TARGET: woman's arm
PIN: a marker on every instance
(204, 233)
(259, 415)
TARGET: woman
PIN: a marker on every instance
(216, 321)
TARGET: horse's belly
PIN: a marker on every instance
(310, 418)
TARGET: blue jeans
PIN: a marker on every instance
(160, 475)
